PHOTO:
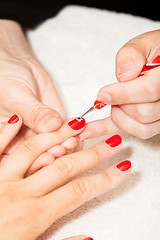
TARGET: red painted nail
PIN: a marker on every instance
(148, 66)
(114, 141)
(88, 238)
(155, 61)
(77, 123)
(144, 69)
(13, 119)
(99, 105)
(123, 166)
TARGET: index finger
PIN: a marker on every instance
(143, 89)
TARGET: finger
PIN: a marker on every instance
(131, 126)
(8, 131)
(67, 167)
(70, 143)
(60, 150)
(75, 193)
(134, 54)
(23, 134)
(141, 90)
(144, 112)
(81, 237)
(42, 161)
(99, 128)
(50, 96)
(31, 148)
(130, 59)
(36, 115)
(57, 151)
(79, 145)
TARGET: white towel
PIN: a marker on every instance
(78, 48)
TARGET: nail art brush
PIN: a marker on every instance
(97, 105)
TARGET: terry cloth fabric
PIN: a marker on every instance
(78, 49)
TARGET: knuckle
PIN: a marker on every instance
(36, 113)
(61, 134)
(107, 180)
(95, 154)
(150, 91)
(10, 190)
(144, 133)
(81, 188)
(142, 113)
(65, 167)
(26, 146)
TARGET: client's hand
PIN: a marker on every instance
(27, 89)
(28, 206)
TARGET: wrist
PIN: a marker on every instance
(13, 41)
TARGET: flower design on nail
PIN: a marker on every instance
(77, 123)
(99, 105)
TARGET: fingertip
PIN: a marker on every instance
(42, 119)
(104, 96)
(12, 125)
(124, 166)
(15, 120)
(70, 143)
(57, 151)
(129, 62)
(53, 123)
(77, 123)
(114, 141)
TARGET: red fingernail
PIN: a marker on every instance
(124, 166)
(114, 141)
(144, 69)
(150, 65)
(155, 61)
(13, 119)
(77, 123)
(88, 238)
(99, 104)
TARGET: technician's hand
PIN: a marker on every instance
(135, 99)
(28, 206)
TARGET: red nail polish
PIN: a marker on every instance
(150, 65)
(88, 238)
(155, 61)
(123, 166)
(13, 119)
(77, 123)
(144, 69)
(114, 141)
(99, 105)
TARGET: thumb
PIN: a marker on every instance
(36, 115)
(81, 237)
(131, 58)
